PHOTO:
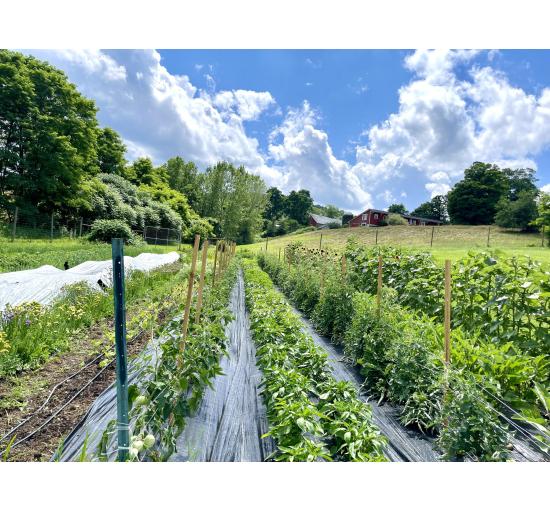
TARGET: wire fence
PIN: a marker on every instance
(17, 223)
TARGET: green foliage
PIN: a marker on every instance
(435, 209)
(106, 230)
(397, 209)
(49, 130)
(519, 213)
(311, 416)
(330, 211)
(200, 226)
(184, 177)
(396, 219)
(276, 204)
(110, 152)
(235, 199)
(299, 205)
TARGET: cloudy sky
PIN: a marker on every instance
(357, 128)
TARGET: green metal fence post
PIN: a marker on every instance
(120, 348)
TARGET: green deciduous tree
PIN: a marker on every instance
(48, 134)
(184, 177)
(518, 213)
(397, 209)
(299, 205)
(110, 152)
(435, 209)
(474, 199)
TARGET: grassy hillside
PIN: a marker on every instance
(25, 254)
(449, 241)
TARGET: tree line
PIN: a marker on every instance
(54, 157)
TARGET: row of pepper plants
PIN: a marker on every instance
(170, 390)
(399, 346)
(312, 416)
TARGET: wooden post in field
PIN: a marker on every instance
(488, 236)
(14, 228)
(215, 261)
(189, 296)
(201, 281)
(279, 254)
(51, 229)
(447, 317)
(542, 237)
(432, 239)
(376, 242)
(379, 286)
(80, 227)
(321, 241)
(266, 239)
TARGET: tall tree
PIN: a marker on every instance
(48, 134)
(473, 200)
(142, 171)
(518, 213)
(299, 205)
(397, 209)
(520, 179)
(110, 152)
(276, 202)
(435, 209)
(329, 210)
(184, 177)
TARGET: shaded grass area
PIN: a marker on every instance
(30, 254)
(449, 241)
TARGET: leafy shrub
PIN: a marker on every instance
(396, 219)
(199, 226)
(105, 230)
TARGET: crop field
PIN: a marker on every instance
(356, 372)
(449, 241)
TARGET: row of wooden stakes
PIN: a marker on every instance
(447, 302)
(224, 252)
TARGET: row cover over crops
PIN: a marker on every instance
(400, 352)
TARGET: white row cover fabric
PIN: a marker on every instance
(45, 283)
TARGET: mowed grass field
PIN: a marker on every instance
(449, 241)
(29, 254)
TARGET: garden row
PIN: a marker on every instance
(171, 389)
(311, 415)
(500, 313)
(399, 351)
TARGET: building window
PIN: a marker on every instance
(363, 224)
(375, 215)
(364, 217)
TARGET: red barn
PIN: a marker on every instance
(370, 217)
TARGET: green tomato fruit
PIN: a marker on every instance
(149, 441)
(141, 400)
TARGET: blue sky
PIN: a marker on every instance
(358, 128)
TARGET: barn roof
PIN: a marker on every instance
(325, 220)
(410, 216)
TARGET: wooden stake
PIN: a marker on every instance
(376, 242)
(201, 281)
(321, 241)
(266, 239)
(189, 296)
(379, 286)
(432, 239)
(215, 261)
(542, 237)
(488, 236)
(447, 318)
(279, 254)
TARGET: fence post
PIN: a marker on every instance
(190, 283)
(376, 242)
(123, 432)
(215, 261)
(266, 239)
(321, 241)
(80, 227)
(51, 228)
(432, 239)
(14, 229)
(447, 318)
(279, 254)
(179, 240)
(488, 236)
(379, 286)
(541, 237)
(201, 281)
